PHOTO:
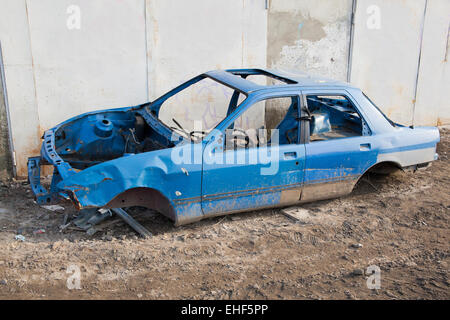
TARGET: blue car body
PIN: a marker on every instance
(97, 164)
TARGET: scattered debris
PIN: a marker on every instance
(358, 272)
(133, 223)
(91, 231)
(390, 294)
(102, 226)
(64, 226)
(39, 231)
(356, 245)
(296, 214)
(66, 217)
(54, 207)
(90, 217)
(349, 294)
(413, 261)
(19, 237)
(3, 282)
(3, 211)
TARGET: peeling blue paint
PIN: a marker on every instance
(100, 156)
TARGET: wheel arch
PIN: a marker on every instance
(382, 167)
(145, 197)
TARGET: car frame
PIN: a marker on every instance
(188, 192)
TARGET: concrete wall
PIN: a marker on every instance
(310, 36)
(386, 58)
(53, 72)
(433, 94)
(20, 81)
(5, 152)
(126, 52)
(185, 38)
(102, 64)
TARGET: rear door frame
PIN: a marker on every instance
(341, 182)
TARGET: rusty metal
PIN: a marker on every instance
(132, 223)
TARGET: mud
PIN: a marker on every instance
(399, 223)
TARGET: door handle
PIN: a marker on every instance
(290, 155)
(364, 146)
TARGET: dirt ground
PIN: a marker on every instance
(399, 223)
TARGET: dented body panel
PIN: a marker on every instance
(125, 157)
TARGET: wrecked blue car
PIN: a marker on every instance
(227, 141)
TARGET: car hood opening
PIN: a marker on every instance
(93, 138)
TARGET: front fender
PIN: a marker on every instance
(98, 185)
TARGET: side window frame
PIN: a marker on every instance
(250, 102)
(366, 130)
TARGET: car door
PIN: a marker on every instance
(258, 175)
(334, 163)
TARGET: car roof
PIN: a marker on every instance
(289, 79)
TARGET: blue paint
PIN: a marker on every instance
(126, 148)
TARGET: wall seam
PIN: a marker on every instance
(33, 67)
(8, 116)
(351, 40)
(146, 52)
(446, 46)
(422, 27)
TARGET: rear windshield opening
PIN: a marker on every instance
(262, 77)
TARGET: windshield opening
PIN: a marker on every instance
(198, 108)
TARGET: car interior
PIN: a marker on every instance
(333, 117)
(266, 121)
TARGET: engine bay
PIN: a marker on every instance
(104, 136)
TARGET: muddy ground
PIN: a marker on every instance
(399, 223)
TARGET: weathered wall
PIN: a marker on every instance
(102, 64)
(54, 72)
(130, 51)
(5, 153)
(18, 63)
(185, 38)
(124, 53)
(310, 36)
(433, 94)
(386, 58)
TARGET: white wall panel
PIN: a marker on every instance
(433, 92)
(385, 60)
